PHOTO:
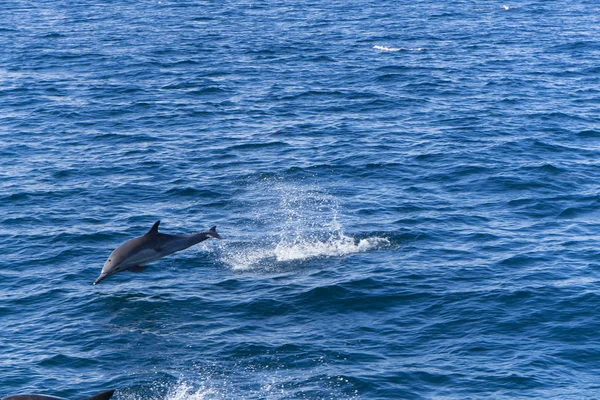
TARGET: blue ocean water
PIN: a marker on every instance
(407, 191)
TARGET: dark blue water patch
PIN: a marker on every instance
(258, 146)
(591, 134)
(522, 184)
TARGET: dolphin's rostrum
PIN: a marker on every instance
(134, 254)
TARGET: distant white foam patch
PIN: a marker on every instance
(386, 48)
(292, 222)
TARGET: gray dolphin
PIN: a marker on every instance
(100, 396)
(135, 253)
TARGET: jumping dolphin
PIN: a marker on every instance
(100, 396)
(135, 253)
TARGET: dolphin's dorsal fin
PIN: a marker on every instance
(104, 395)
(213, 229)
(154, 229)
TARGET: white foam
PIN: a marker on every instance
(245, 258)
(180, 390)
(299, 222)
(386, 48)
(183, 391)
(266, 256)
(334, 247)
(272, 385)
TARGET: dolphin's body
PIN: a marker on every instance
(100, 396)
(135, 253)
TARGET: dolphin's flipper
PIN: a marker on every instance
(137, 268)
(102, 396)
(154, 229)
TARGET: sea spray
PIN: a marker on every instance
(182, 389)
(291, 222)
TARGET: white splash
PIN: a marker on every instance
(267, 255)
(334, 247)
(183, 391)
(301, 224)
(180, 390)
(225, 386)
(246, 258)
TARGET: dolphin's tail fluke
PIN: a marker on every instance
(212, 232)
(102, 396)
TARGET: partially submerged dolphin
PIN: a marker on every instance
(100, 396)
(135, 253)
